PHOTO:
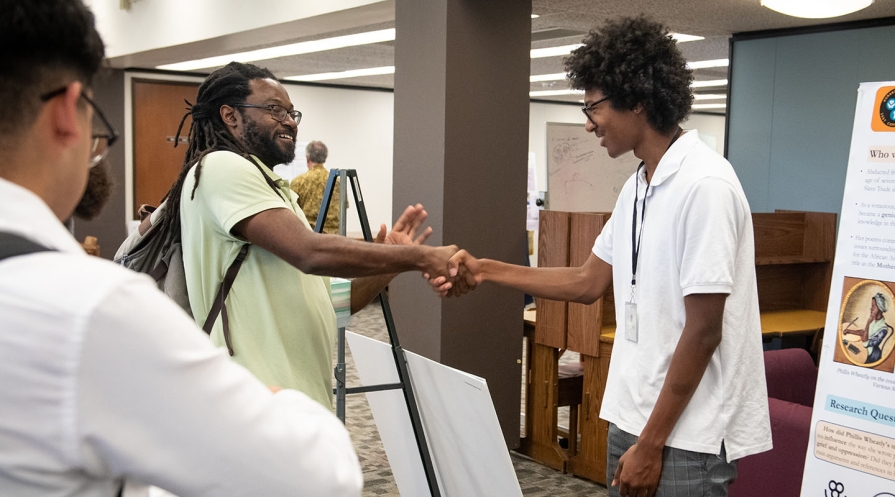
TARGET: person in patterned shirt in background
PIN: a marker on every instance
(310, 187)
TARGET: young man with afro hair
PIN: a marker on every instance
(685, 395)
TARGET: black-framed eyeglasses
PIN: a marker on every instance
(587, 108)
(278, 112)
(104, 135)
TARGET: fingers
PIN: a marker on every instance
(380, 237)
(455, 261)
(440, 285)
(410, 220)
(424, 236)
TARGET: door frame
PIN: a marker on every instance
(129, 77)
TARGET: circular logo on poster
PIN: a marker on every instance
(887, 109)
(865, 336)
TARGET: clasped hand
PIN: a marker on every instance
(465, 274)
(463, 271)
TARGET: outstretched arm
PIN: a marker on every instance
(280, 232)
(584, 284)
(364, 290)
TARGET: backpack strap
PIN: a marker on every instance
(12, 245)
(219, 305)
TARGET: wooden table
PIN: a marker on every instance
(792, 322)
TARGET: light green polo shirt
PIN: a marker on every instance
(282, 324)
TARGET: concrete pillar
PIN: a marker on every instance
(461, 142)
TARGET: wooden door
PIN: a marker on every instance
(158, 108)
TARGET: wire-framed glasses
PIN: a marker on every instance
(104, 135)
(278, 112)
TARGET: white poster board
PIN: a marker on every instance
(581, 177)
(464, 437)
(851, 448)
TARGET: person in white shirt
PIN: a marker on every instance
(685, 395)
(102, 378)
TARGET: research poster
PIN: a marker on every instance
(851, 449)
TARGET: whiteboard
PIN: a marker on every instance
(581, 177)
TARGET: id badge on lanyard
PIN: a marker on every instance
(631, 318)
(631, 304)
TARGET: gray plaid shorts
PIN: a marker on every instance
(684, 473)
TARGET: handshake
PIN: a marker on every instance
(450, 271)
(464, 274)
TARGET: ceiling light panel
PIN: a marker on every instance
(304, 47)
(354, 73)
(559, 76)
(681, 37)
(553, 93)
(704, 64)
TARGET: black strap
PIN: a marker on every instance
(12, 245)
(635, 241)
(219, 305)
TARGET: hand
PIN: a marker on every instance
(466, 272)
(436, 262)
(404, 230)
(638, 472)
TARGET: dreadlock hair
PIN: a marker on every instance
(227, 86)
(634, 61)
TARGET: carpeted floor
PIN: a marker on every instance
(534, 479)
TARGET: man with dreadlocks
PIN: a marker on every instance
(281, 319)
(685, 396)
(102, 377)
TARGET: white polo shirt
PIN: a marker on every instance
(697, 238)
(103, 377)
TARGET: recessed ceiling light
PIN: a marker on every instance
(287, 50)
(816, 9)
(354, 73)
(552, 93)
(559, 76)
(681, 38)
(708, 82)
(709, 106)
(703, 64)
(709, 96)
(539, 53)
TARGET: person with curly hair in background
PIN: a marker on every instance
(685, 396)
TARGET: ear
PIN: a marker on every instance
(638, 108)
(64, 115)
(230, 116)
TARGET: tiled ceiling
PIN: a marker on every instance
(565, 22)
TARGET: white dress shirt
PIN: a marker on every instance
(102, 377)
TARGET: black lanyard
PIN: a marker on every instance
(635, 240)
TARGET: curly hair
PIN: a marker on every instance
(635, 61)
(227, 86)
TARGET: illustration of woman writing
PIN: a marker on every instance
(876, 331)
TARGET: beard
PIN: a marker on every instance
(265, 147)
(97, 193)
